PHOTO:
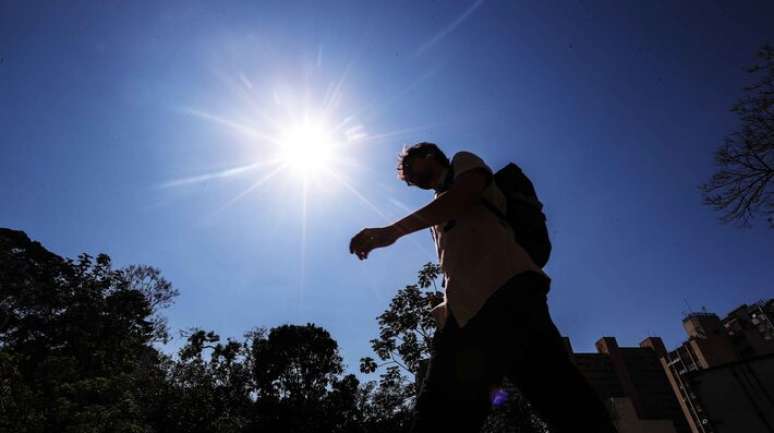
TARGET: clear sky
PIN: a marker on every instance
(147, 130)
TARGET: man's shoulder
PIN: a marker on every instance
(463, 155)
(464, 160)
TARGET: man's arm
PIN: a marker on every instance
(463, 194)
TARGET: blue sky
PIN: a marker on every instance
(114, 114)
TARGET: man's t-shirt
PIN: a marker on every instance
(476, 250)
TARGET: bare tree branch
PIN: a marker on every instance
(742, 188)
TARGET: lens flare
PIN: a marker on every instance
(498, 397)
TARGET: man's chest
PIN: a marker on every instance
(471, 230)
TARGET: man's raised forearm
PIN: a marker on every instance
(465, 192)
(443, 208)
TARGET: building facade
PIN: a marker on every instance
(632, 382)
(717, 361)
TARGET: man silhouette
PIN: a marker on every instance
(494, 320)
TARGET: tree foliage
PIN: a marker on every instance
(743, 185)
(75, 343)
(298, 377)
(78, 354)
(406, 328)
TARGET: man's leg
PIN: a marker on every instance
(455, 396)
(551, 382)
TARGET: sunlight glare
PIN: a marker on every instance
(307, 148)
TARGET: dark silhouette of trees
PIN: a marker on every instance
(295, 363)
(288, 379)
(406, 328)
(75, 342)
(78, 354)
(209, 386)
(297, 372)
(405, 333)
(742, 186)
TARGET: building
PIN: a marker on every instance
(751, 329)
(628, 421)
(632, 382)
(724, 358)
(737, 397)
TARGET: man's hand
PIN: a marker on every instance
(463, 194)
(371, 238)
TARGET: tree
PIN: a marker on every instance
(157, 291)
(295, 362)
(299, 384)
(75, 342)
(289, 379)
(406, 328)
(210, 386)
(742, 186)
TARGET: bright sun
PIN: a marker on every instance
(306, 148)
(299, 140)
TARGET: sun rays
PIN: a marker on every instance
(290, 139)
(294, 140)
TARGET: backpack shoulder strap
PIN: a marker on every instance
(447, 182)
(494, 209)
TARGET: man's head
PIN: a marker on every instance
(422, 165)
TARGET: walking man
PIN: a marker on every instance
(494, 320)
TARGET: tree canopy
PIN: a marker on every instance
(743, 185)
(78, 353)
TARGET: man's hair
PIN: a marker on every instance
(419, 150)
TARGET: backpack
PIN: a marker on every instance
(524, 211)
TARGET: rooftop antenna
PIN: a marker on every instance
(690, 310)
